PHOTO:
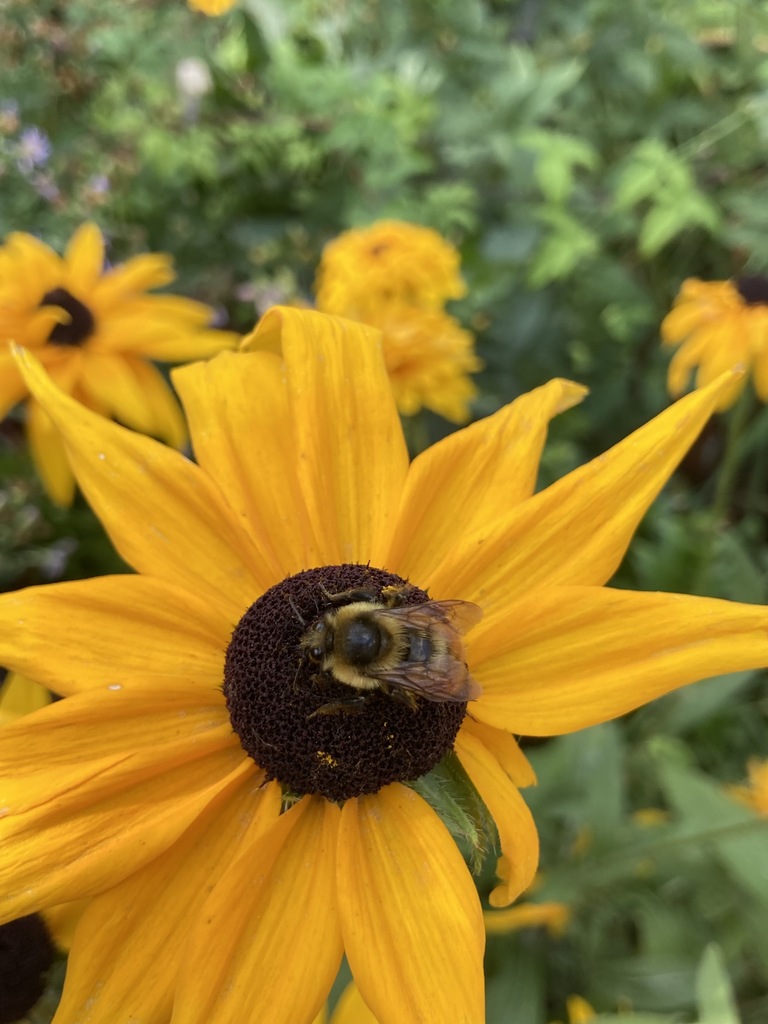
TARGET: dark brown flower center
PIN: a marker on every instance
(81, 323)
(309, 731)
(26, 953)
(753, 289)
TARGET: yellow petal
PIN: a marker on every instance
(351, 1009)
(45, 268)
(163, 514)
(128, 947)
(410, 915)
(134, 393)
(84, 257)
(570, 657)
(138, 274)
(112, 630)
(12, 387)
(505, 749)
(95, 786)
(553, 916)
(577, 530)
(169, 423)
(20, 696)
(352, 459)
(517, 831)
(242, 433)
(197, 344)
(473, 477)
(49, 455)
(62, 920)
(268, 937)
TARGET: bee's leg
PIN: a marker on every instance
(344, 705)
(396, 593)
(321, 680)
(404, 697)
(350, 596)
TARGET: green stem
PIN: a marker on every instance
(731, 457)
(726, 481)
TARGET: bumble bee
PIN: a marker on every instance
(373, 642)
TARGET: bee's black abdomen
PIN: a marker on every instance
(361, 642)
(419, 648)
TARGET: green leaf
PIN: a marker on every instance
(450, 791)
(714, 993)
(734, 834)
(660, 225)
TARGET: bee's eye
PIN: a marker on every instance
(316, 653)
(319, 626)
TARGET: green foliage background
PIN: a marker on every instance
(586, 157)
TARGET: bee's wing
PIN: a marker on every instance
(460, 616)
(443, 678)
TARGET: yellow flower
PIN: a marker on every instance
(553, 916)
(755, 794)
(396, 277)
(718, 325)
(95, 331)
(213, 8)
(213, 886)
(389, 263)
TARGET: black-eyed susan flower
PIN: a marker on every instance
(95, 330)
(397, 277)
(718, 325)
(234, 838)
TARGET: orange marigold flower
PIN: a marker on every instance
(396, 277)
(391, 262)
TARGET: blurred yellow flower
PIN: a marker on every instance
(579, 1010)
(755, 793)
(718, 325)
(650, 817)
(397, 277)
(95, 331)
(428, 356)
(391, 262)
(213, 8)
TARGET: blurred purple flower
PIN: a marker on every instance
(34, 149)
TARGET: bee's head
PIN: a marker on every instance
(318, 640)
